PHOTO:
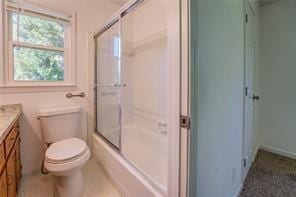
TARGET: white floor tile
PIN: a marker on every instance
(96, 184)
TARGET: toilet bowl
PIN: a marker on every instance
(64, 159)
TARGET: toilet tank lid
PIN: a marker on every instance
(58, 111)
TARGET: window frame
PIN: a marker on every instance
(69, 48)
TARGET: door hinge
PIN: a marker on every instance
(245, 162)
(246, 19)
(185, 122)
(246, 91)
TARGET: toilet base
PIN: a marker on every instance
(69, 186)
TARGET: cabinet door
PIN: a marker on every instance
(18, 163)
(11, 177)
(2, 157)
(10, 139)
(3, 185)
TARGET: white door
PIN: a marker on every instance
(249, 89)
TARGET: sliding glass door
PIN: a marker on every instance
(144, 100)
(108, 84)
(132, 81)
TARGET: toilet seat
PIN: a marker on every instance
(66, 151)
(67, 156)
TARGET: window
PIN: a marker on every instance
(40, 45)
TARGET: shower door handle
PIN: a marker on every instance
(119, 85)
(116, 85)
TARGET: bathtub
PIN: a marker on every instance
(141, 170)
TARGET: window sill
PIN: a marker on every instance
(19, 88)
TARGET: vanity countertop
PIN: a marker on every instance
(8, 116)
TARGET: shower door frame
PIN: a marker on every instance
(174, 88)
(96, 85)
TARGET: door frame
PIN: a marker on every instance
(185, 97)
(193, 96)
(174, 89)
(95, 38)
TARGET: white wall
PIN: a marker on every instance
(278, 76)
(220, 97)
(91, 14)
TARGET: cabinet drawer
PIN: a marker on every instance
(10, 139)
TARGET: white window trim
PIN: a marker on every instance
(8, 84)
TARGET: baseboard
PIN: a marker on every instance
(238, 191)
(31, 173)
(255, 152)
(278, 151)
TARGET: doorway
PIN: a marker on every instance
(249, 94)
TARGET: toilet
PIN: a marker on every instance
(66, 154)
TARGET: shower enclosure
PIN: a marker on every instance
(132, 87)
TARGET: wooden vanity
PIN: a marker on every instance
(10, 161)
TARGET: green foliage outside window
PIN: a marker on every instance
(38, 65)
(33, 63)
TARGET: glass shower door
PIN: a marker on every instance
(132, 79)
(108, 84)
(144, 99)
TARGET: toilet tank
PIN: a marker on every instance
(59, 123)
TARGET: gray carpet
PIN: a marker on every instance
(271, 175)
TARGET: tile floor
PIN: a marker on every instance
(97, 184)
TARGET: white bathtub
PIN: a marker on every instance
(143, 169)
